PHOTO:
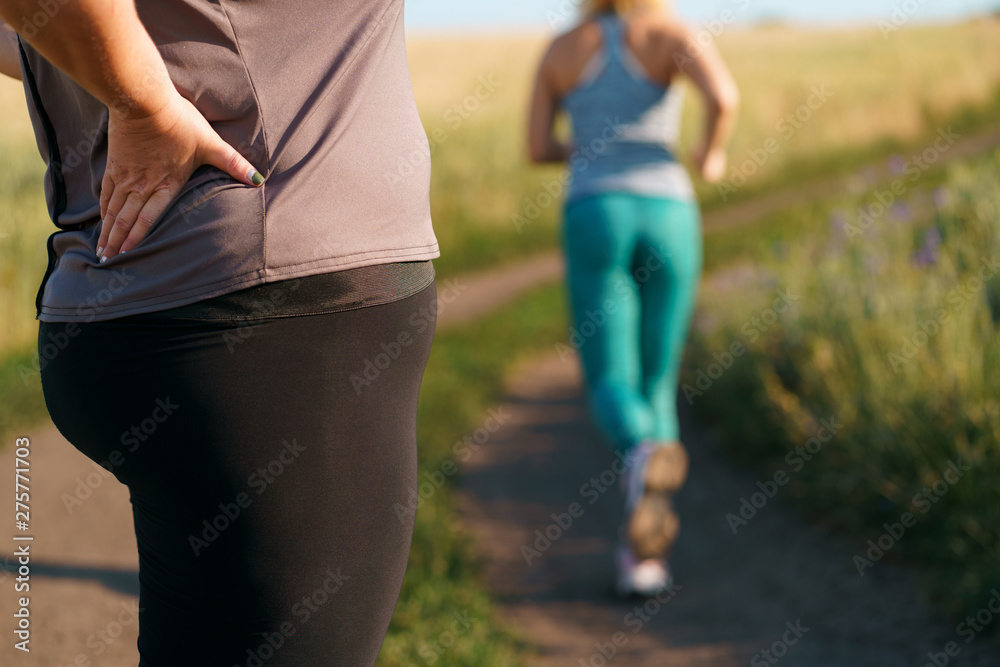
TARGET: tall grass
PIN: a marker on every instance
(895, 334)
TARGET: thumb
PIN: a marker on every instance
(228, 159)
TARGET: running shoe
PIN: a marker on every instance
(645, 578)
(655, 473)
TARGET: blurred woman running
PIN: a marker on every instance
(632, 238)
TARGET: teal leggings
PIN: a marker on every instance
(633, 266)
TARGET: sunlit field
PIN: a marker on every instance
(880, 95)
(887, 327)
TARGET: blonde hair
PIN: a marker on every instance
(592, 7)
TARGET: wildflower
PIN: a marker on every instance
(901, 212)
(928, 255)
(897, 165)
(941, 197)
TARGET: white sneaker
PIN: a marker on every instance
(640, 577)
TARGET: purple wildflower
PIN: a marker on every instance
(838, 221)
(928, 255)
(901, 212)
(941, 197)
(897, 165)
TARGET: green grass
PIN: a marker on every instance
(905, 355)
(22, 406)
(464, 379)
(775, 233)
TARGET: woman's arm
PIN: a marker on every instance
(156, 138)
(10, 59)
(542, 145)
(705, 67)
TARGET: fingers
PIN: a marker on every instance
(115, 201)
(120, 224)
(145, 219)
(134, 220)
(107, 187)
(225, 157)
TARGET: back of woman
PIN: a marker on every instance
(626, 124)
(632, 239)
(316, 95)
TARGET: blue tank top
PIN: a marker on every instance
(625, 126)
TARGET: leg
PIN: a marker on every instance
(670, 251)
(599, 240)
(264, 484)
(667, 267)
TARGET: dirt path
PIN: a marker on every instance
(737, 595)
(84, 565)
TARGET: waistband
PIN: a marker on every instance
(310, 295)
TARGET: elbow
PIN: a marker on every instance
(537, 154)
(727, 101)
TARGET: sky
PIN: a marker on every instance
(554, 14)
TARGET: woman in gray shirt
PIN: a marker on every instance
(237, 312)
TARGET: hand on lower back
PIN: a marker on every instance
(149, 161)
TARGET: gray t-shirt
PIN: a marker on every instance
(315, 93)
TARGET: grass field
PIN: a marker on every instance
(891, 330)
(884, 95)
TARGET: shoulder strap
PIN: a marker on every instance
(611, 25)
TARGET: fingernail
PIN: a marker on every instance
(104, 258)
(100, 249)
(255, 176)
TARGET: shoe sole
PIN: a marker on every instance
(654, 525)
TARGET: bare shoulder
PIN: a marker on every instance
(568, 53)
(663, 31)
(569, 45)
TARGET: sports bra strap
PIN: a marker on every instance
(611, 26)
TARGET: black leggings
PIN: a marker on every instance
(266, 460)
